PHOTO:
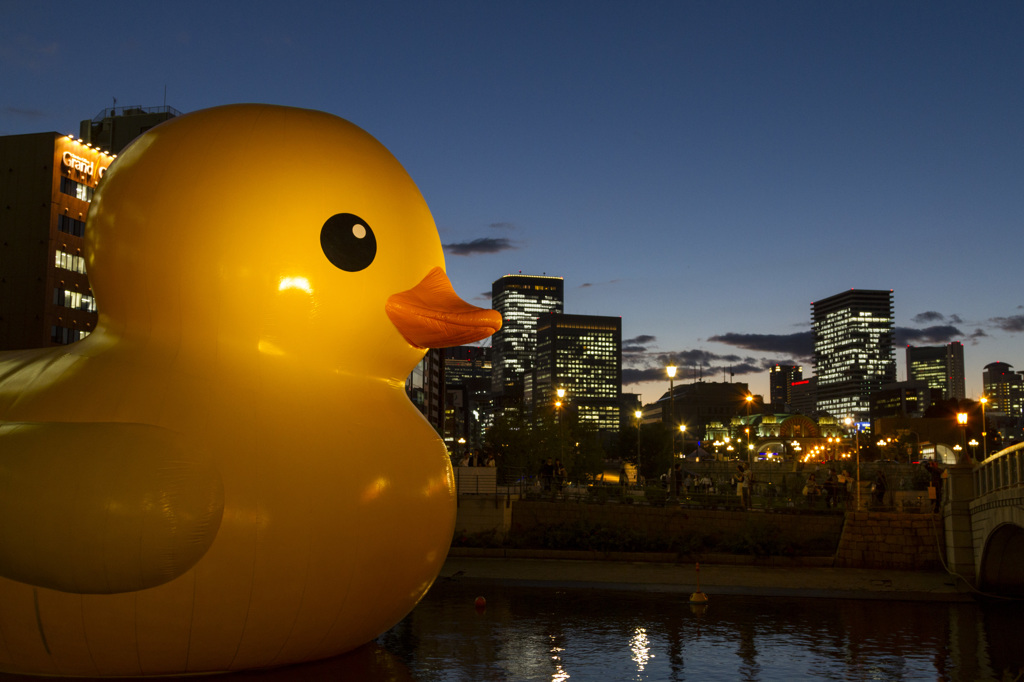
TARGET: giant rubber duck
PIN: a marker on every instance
(227, 473)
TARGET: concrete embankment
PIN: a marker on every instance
(755, 579)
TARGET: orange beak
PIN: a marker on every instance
(431, 314)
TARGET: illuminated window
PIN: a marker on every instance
(74, 299)
(76, 189)
(67, 261)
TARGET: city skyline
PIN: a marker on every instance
(703, 171)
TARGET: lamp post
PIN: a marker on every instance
(561, 438)
(984, 431)
(671, 370)
(856, 434)
(961, 419)
(974, 448)
(682, 438)
(639, 415)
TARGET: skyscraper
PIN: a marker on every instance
(467, 382)
(583, 354)
(942, 367)
(520, 299)
(1004, 388)
(780, 382)
(853, 352)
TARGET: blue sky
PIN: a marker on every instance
(705, 170)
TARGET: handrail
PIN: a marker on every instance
(1000, 470)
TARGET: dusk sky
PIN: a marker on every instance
(705, 170)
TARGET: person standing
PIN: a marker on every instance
(547, 474)
(878, 489)
(830, 489)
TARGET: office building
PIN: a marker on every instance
(780, 383)
(467, 379)
(583, 355)
(853, 351)
(425, 387)
(521, 300)
(804, 396)
(1004, 389)
(45, 192)
(941, 367)
(902, 399)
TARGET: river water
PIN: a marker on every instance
(556, 634)
(559, 634)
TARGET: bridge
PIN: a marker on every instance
(984, 522)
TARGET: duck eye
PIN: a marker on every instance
(348, 242)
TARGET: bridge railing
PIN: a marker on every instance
(1001, 470)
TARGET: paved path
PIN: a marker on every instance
(851, 583)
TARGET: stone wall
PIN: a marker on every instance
(891, 540)
(718, 530)
(483, 515)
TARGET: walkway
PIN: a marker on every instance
(848, 583)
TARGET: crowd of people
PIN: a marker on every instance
(826, 487)
(476, 459)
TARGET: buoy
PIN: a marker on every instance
(480, 602)
(698, 597)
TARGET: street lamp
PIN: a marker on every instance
(639, 415)
(849, 422)
(682, 437)
(961, 419)
(984, 432)
(558, 406)
(974, 448)
(671, 370)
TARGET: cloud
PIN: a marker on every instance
(31, 114)
(592, 284)
(482, 245)
(693, 364)
(798, 345)
(943, 333)
(637, 376)
(502, 226)
(1014, 323)
(929, 316)
(642, 339)
(956, 319)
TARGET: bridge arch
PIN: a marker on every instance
(1002, 561)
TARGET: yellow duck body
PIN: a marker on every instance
(227, 474)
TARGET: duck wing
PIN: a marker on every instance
(100, 508)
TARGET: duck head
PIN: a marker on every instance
(276, 232)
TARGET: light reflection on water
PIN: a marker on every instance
(577, 635)
(528, 633)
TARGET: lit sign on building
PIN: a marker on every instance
(78, 163)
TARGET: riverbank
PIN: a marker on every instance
(715, 579)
